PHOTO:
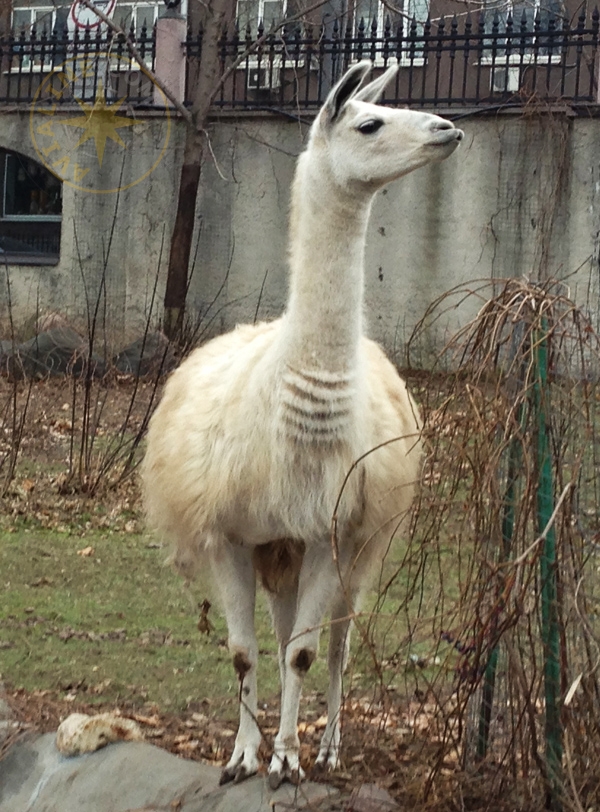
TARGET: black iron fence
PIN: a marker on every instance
(478, 61)
(471, 61)
(56, 67)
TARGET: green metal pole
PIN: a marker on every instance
(550, 630)
(508, 521)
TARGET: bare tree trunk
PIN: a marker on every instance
(5, 16)
(219, 14)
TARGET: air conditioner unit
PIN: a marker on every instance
(505, 78)
(263, 78)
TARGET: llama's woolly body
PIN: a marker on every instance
(258, 491)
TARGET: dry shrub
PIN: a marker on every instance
(466, 624)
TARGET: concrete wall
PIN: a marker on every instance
(520, 197)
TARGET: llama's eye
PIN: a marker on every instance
(370, 127)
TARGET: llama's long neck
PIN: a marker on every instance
(323, 321)
(320, 339)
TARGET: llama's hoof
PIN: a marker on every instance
(275, 779)
(327, 761)
(288, 769)
(237, 772)
(242, 764)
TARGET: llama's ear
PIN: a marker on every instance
(345, 89)
(374, 90)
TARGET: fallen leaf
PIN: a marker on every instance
(152, 721)
(204, 624)
(86, 552)
(199, 718)
(155, 733)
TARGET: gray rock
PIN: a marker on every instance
(371, 798)
(60, 351)
(149, 355)
(135, 777)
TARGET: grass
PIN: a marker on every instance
(117, 625)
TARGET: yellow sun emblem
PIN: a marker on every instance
(100, 122)
(77, 148)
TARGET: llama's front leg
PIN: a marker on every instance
(316, 586)
(234, 573)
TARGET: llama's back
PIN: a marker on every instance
(196, 433)
(392, 463)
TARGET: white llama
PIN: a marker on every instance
(257, 432)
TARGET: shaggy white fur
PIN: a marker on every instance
(269, 434)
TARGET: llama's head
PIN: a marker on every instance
(364, 144)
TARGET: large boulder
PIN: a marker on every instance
(136, 777)
(59, 351)
(151, 355)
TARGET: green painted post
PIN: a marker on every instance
(508, 521)
(550, 630)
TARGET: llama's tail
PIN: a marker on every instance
(278, 563)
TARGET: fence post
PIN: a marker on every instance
(170, 61)
(548, 574)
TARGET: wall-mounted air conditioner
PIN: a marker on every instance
(505, 78)
(266, 77)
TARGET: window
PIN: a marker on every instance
(510, 57)
(269, 12)
(142, 14)
(138, 15)
(30, 211)
(51, 17)
(46, 19)
(369, 10)
(496, 17)
(397, 11)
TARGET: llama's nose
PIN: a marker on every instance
(443, 124)
(439, 125)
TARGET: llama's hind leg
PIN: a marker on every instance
(339, 647)
(283, 613)
(233, 571)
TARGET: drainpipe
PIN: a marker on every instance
(170, 62)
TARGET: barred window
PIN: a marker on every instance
(30, 211)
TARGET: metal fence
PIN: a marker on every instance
(56, 67)
(472, 61)
(479, 61)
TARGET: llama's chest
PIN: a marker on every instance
(316, 409)
(279, 455)
(306, 488)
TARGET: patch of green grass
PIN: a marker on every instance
(117, 625)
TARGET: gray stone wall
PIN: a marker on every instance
(520, 197)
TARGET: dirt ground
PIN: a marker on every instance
(370, 755)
